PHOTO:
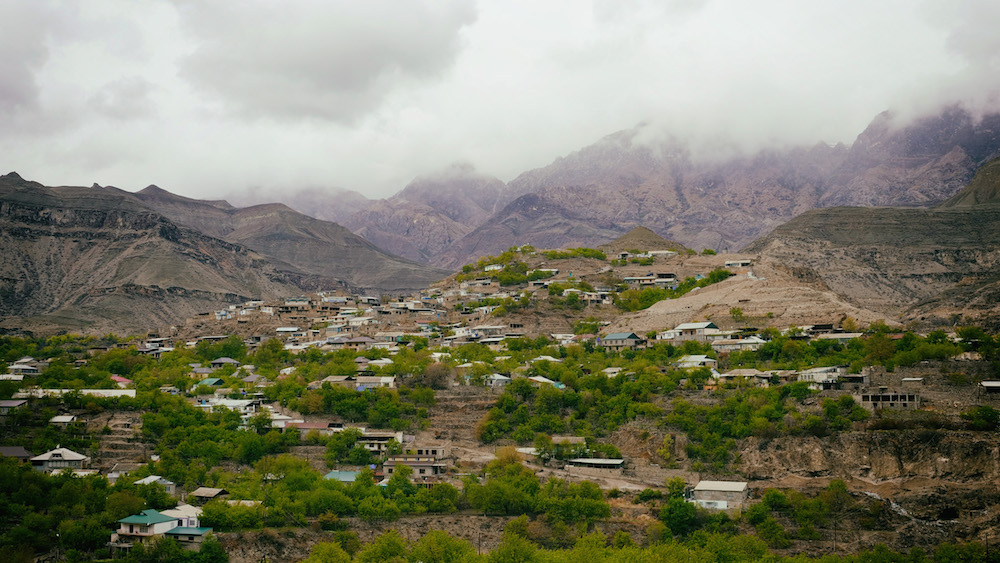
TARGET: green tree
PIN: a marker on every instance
(377, 508)
(680, 516)
(439, 547)
(327, 552)
(389, 547)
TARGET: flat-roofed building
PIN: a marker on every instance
(422, 465)
(720, 495)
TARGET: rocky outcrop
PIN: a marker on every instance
(875, 456)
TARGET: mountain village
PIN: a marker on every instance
(477, 310)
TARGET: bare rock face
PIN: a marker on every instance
(875, 456)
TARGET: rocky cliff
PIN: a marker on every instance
(876, 456)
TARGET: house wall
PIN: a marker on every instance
(733, 499)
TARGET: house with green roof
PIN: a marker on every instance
(140, 527)
(211, 382)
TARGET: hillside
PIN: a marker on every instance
(93, 260)
(984, 189)
(923, 264)
(641, 238)
(307, 249)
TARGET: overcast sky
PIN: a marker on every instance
(208, 98)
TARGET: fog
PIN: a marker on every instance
(213, 99)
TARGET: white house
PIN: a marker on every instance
(59, 459)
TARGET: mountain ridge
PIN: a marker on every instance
(631, 178)
(103, 259)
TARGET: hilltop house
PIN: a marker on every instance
(156, 479)
(190, 538)
(205, 494)
(737, 344)
(16, 452)
(8, 405)
(220, 363)
(377, 441)
(699, 332)
(497, 381)
(823, 377)
(187, 516)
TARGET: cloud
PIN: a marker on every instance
(326, 60)
(23, 51)
(123, 99)
(209, 98)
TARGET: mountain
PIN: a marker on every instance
(300, 245)
(633, 178)
(430, 213)
(931, 265)
(334, 204)
(95, 260)
(921, 163)
(102, 258)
